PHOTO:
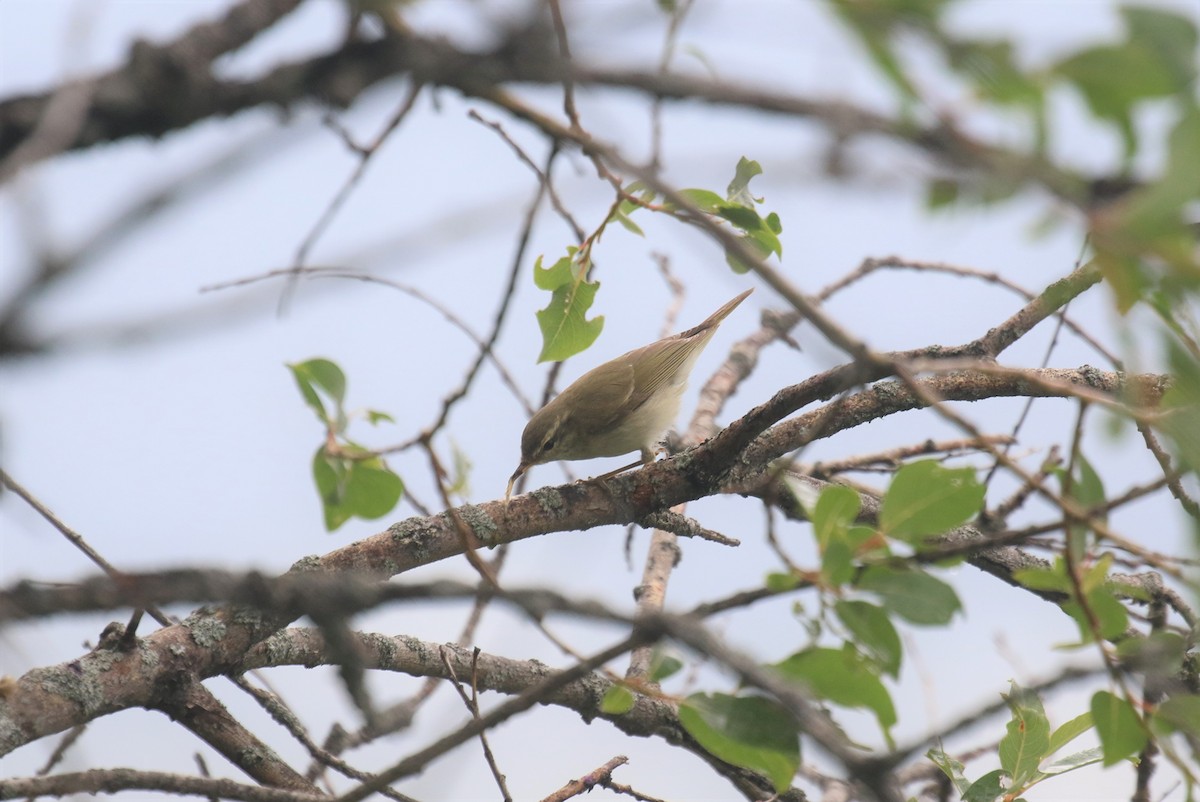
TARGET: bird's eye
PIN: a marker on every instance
(549, 444)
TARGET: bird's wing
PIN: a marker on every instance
(608, 389)
(653, 372)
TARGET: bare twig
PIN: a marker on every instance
(601, 776)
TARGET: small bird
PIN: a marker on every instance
(627, 404)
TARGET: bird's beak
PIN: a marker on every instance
(513, 480)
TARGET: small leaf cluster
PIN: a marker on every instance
(352, 481)
(738, 208)
(566, 329)
(1028, 750)
(864, 589)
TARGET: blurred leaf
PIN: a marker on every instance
(372, 490)
(329, 476)
(627, 223)
(1075, 760)
(1182, 713)
(375, 417)
(842, 676)
(940, 193)
(365, 488)
(873, 633)
(325, 376)
(1111, 617)
(836, 509)
(1181, 406)
(992, 69)
(1156, 215)
(913, 595)
(617, 701)
(460, 475)
(1069, 732)
(1113, 78)
(1027, 736)
(1087, 491)
(987, 788)
(951, 768)
(1121, 734)
(565, 328)
(879, 22)
(1172, 37)
(704, 200)
(738, 191)
(663, 664)
(753, 732)
(1045, 578)
(1159, 655)
(777, 582)
(925, 499)
(741, 216)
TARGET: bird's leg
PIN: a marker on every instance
(647, 457)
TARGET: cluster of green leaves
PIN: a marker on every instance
(566, 329)
(351, 480)
(738, 208)
(1027, 750)
(1026, 746)
(863, 587)
(1143, 244)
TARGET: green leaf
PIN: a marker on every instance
(836, 509)
(1157, 59)
(352, 487)
(735, 262)
(742, 217)
(987, 788)
(617, 701)
(1121, 734)
(1181, 713)
(324, 375)
(1054, 578)
(375, 417)
(925, 499)
(913, 595)
(1069, 732)
(329, 476)
(1075, 760)
(1172, 37)
(739, 188)
(460, 477)
(663, 665)
(951, 768)
(1110, 615)
(992, 69)
(1087, 491)
(704, 200)
(628, 224)
(778, 582)
(372, 489)
(1027, 737)
(1181, 406)
(842, 676)
(873, 633)
(940, 193)
(753, 732)
(565, 328)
